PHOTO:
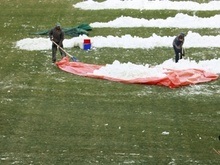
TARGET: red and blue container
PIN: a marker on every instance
(87, 44)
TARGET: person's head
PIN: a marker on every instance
(181, 36)
(58, 26)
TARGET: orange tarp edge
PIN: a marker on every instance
(174, 78)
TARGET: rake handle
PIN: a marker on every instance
(61, 49)
(72, 57)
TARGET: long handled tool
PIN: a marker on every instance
(182, 54)
(72, 57)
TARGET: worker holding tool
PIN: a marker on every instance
(57, 36)
(178, 46)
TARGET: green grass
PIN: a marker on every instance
(48, 116)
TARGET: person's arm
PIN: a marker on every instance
(51, 34)
(61, 38)
(182, 49)
(178, 44)
(175, 43)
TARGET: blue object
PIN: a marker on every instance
(86, 46)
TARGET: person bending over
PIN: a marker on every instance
(56, 35)
(178, 46)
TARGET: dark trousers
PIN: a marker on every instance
(178, 54)
(54, 52)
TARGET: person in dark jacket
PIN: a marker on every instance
(178, 46)
(57, 35)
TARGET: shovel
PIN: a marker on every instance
(72, 57)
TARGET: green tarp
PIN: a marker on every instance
(70, 31)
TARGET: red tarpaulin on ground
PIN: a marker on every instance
(173, 78)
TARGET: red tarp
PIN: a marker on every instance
(174, 78)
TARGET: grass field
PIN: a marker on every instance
(48, 116)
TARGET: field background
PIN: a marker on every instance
(48, 116)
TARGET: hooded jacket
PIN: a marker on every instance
(177, 43)
(57, 35)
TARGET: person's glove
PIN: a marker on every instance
(51, 38)
(183, 52)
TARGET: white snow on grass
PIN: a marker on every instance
(45, 43)
(180, 20)
(192, 40)
(147, 5)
